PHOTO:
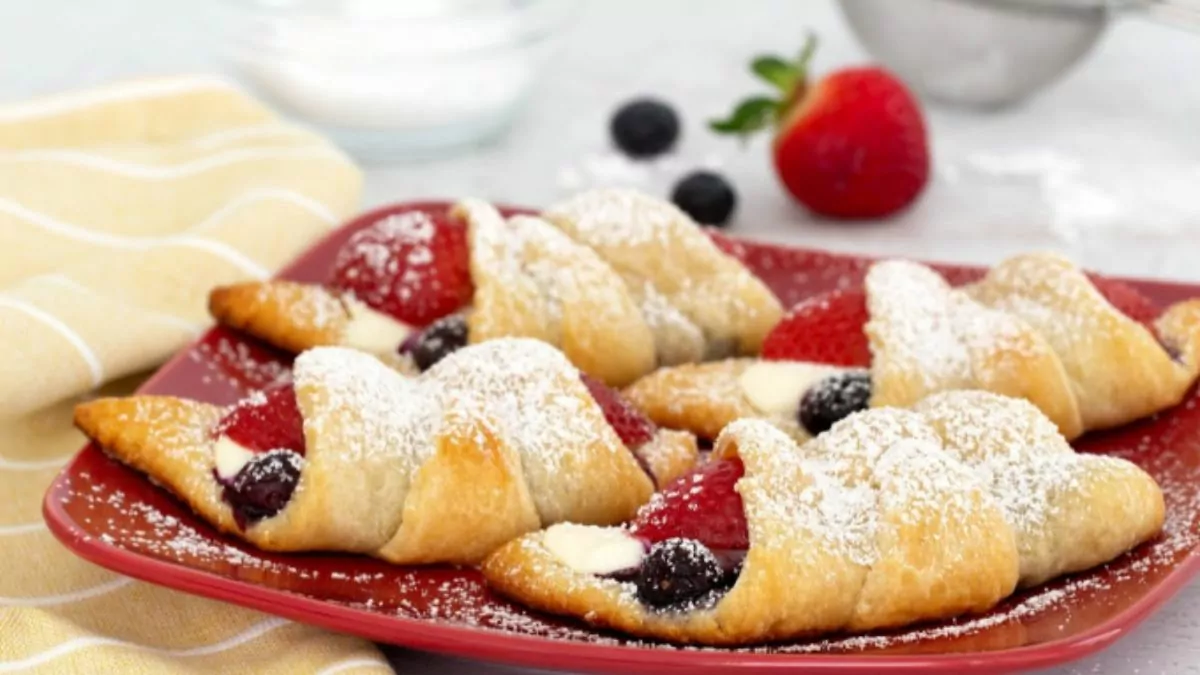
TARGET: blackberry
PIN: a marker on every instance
(678, 571)
(440, 339)
(263, 487)
(834, 398)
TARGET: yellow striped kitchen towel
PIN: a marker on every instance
(120, 208)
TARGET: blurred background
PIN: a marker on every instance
(1100, 159)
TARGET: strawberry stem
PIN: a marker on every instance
(761, 112)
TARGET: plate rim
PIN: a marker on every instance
(534, 651)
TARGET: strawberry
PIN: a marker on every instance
(824, 329)
(702, 505)
(414, 266)
(851, 145)
(629, 423)
(269, 420)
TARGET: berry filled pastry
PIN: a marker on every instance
(531, 280)
(414, 283)
(494, 441)
(700, 302)
(1089, 353)
(891, 517)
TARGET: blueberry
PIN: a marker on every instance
(645, 128)
(442, 338)
(705, 196)
(834, 398)
(263, 487)
(678, 571)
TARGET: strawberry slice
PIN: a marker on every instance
(413, 265)
(702, 505)
(629, 423)
(265, 421)
(825, 329)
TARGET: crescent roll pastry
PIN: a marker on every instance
(1035, 327)
(698, 300)
(885, 533)
(1070, 511)
(496, 440)
(926, 337)
(891, 517)
(414, 285)
(531, 280)
(1118, 370)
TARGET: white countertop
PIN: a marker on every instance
(1105, 166)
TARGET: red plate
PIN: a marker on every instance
(114, 517)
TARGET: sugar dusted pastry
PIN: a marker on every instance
(1118, 369)
(698, 300)
(494, 441)
(1035, 328)
(868, 540)
(1070, 511)
(889, 518)
(476, 275)
(531, 280)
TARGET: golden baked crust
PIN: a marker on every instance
(940, 548)
(669, 455)
(927, 337)
(164, 437)
(670, 262)
(1070, 511)
(1118, 370)
(702, 398)
(292, 316)
(533, 281)
(494, 441)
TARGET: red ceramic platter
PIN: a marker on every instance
(115, 517)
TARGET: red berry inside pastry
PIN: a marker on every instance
(267, 420)
(702, 505)
(634, 428)
(629, 423)
(826, 329)
(413, 266)
(258, 453)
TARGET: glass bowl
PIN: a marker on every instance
(391, 80)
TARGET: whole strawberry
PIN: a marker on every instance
(850, 145)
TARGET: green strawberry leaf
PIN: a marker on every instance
(753, 114)
(777, 72)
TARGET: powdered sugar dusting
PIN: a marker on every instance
(535, 397)
(649, 241)
(927, 337)
(1012, 447)
(392, 413)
